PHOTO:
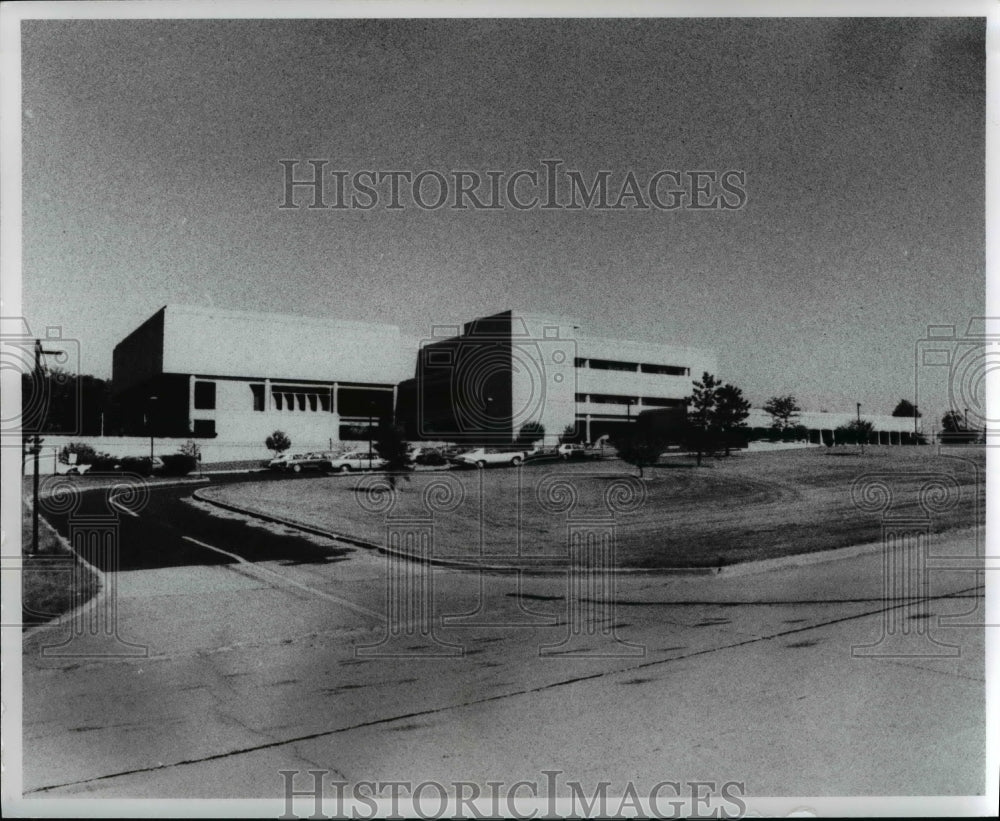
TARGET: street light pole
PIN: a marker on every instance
(152, 399)
(36, 449)
(371, 407)
(861, 434)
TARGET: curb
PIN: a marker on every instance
(725, 571)
(95, 600)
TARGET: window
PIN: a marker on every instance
(611, 399)
(665, 370)
(204, 427)
(204, 396)
(301, 398)
(258, 397)
(656, 402)
(613, 365)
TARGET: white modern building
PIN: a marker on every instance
(236, 376)
(887, 430)
(496, 374)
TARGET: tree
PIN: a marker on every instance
(731, 409)
(568, 435)
(784, 410)
(955, 431)
(906, 409)
(60, 401)
(390, 443)
(717, 411)
(530, 433)
(953, 422)
(856, 432)
(702, 403)
(640, 449)
(278, 442)
(192, 449)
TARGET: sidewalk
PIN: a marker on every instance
(739, 677)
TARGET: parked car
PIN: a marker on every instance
(575, 450)
(356, 460)
(428, 456)
(481, 457)
(278, 462)
(71, 470)
(298, 462)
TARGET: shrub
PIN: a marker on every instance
(278, 442)
(530, 433)
(103, 462)
(191, 448)
(85, 454)
(141, 465)
(178, 464)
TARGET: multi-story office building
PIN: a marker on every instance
(237, 376)
(488, 379)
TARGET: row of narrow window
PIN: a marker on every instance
(614, 399)
(631, 367)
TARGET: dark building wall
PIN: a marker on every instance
(138, 358)
(167, 415)
(668, 424)
(463, 389)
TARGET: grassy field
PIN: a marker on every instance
(747, 507)
(49, 585)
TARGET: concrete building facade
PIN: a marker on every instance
(237, 376)
(495, 374)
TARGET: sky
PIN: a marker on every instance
(151, 176)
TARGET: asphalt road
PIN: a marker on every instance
(165, 530)
(237, 650)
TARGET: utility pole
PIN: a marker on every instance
(371, 408)
(36, 448)
(152, 399)
(861, 434)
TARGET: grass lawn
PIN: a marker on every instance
(746, 507)
(53, 581)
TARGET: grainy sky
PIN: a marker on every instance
(151, 176)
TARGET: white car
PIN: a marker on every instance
(356, 460)
(481, 457)
(298, 462)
